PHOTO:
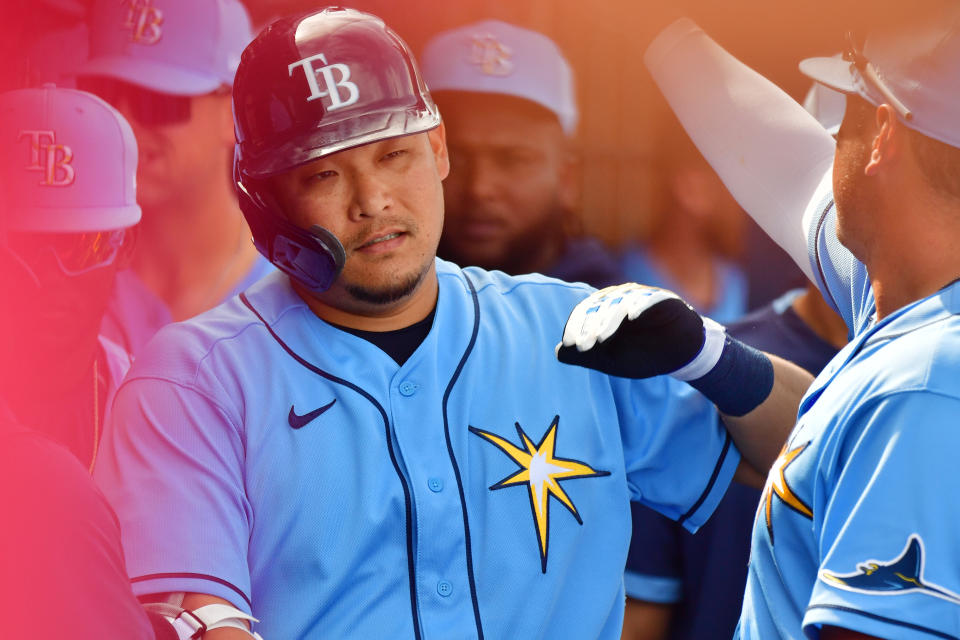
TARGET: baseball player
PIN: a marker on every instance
(65, 211)
(510, 114)
(376, 443)
(856, 533)
(167, 66)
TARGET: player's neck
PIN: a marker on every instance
(919, 256)
(338, 308)
(192, 257)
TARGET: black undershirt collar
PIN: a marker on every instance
(400, 343)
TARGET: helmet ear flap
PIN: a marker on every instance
(315, 257)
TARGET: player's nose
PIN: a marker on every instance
(370, 196)
(481, 179)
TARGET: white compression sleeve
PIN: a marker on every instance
(770, 153)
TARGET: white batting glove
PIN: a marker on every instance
(634, 331)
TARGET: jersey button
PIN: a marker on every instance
(408, 388)
(435, 484)
(444, 588)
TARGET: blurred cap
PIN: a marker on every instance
(917, 64)
(70, 164)
(495, 57)
(826, 105)
(180, 47)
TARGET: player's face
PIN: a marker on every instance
(852, 192)
(511, 180)
(178, 161)
(384, 202)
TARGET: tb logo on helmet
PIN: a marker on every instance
(332, 86)
(143, 20)
(51, 159)
(491, 55)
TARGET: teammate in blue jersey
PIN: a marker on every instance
(856, 533)
(376, 443)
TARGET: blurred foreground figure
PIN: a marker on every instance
(507, 99)
(168, 68)
(65, 212)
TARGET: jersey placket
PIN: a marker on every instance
(443, 587)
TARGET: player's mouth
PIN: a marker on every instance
(383, 242)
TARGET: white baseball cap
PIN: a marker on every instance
(915, 68)
(826, 105)
(179, 47)
(69, 165)
(496, 57)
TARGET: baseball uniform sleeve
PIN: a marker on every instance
(890, 562)
(770, 153)
(654, 563)
(172, 464)
(679, 458)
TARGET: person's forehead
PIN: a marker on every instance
(462, 104)
(499, 121)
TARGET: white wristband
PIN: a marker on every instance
(714, 336)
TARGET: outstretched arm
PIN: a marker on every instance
(761, 433)
(770, 153)
(635, 331)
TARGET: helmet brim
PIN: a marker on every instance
(339, 136)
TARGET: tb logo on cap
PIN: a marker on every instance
(52, 160)
(331, 84)
(491, 55)
(143, 20)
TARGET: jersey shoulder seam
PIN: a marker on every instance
(186, 387)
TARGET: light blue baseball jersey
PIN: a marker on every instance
(859, 520)
(262, 455)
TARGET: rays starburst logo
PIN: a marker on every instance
(540, 473)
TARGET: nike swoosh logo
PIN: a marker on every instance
(299, 422)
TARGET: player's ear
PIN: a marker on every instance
(886, 144)
(438, 144)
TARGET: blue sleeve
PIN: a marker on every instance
(654, 566)
(890, 562)
(841, 278)
(169, 451)
(679, 459)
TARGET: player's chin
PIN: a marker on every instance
(387, 289)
